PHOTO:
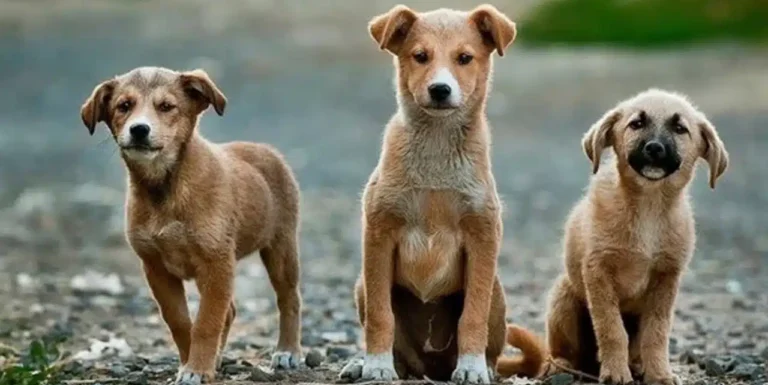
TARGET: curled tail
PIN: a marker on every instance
(528, 364)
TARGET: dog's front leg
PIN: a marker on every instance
(603, 303)
(655, 323)
(169, 294)
(215, 282)
(379, 328)
(482, 239)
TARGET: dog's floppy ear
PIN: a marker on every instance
(599, 137)
(713, 151)
(94, 110)
(199, 86)
(390, 29)
(497, 30)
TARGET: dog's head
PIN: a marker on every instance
(150, 111)
(443, 57)
(657, 136)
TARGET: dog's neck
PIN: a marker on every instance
(159, 178)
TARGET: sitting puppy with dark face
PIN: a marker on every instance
(627, 243)
(194, 208)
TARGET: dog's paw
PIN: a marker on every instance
(671, 379)
(379, 367)
(352, 371)
(188, 377)
(471, 369)
(285, 360)
(615, 374)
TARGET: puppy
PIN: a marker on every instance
(627, 243)
(194, 208)
(429, 299)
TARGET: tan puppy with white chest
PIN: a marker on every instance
(429, 298)
(627, 243)
(194, 208)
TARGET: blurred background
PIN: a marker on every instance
(306, 77)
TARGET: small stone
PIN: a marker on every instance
(233, 369)
(714, 367)
(691, 356)
(742, 304)
(747, 372)
(701, 382)
(225, 361)
(331, 358)
(118, 370)
(313, 359)
(258, 375)
(339, 351)
(136, 378)
(560, 379)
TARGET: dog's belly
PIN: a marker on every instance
(430, 265)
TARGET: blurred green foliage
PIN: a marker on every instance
(646, 23)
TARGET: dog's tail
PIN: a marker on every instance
(528, 364)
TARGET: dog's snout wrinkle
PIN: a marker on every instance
(139, 131)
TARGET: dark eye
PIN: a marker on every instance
(465, 58)
(420, 57)
(165, 107)
(124, 107)
(680, 129)
(637, 124)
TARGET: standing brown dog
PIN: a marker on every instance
(194, 208)
(627, 243)
(429, 298)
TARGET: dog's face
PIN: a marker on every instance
(659, 136)
(151, 111)
(443, 57)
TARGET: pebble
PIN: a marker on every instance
(714, 367)
(560, 379)
(691, 356)
(747, 372)
(118, 370)
(136, 378)
(258, 375)
(233, 369)
(313, 359)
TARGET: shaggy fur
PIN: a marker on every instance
(429, 299)
(627, 243)
(194, 208)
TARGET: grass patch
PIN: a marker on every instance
(36, 365)
(645, 23)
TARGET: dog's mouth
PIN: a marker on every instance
(442, 109)
(141, 148)
(654, 171)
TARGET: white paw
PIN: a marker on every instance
(379, 367)
(471, 369)
(352, 371)
(188, 378)
(285, 360)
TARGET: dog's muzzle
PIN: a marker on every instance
(655, 159)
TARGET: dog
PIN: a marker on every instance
(194, 208)
(627, 243)
(428, 298)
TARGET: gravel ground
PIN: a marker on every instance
(311, 83)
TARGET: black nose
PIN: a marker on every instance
(654, 150)
(139, 131)
(439, 92)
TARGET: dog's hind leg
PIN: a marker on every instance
(281, 260)
(169, 294)
(231, 314)
(566, 329)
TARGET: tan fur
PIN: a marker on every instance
(431, 214)
(194, 208)
(627, 243)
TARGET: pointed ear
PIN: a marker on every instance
(390, 29)
(94, 110)
(713, 151)
(199, 86)
(600, 136)
(497, 30)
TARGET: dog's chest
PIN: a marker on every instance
(429, 248)
(173, 242)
